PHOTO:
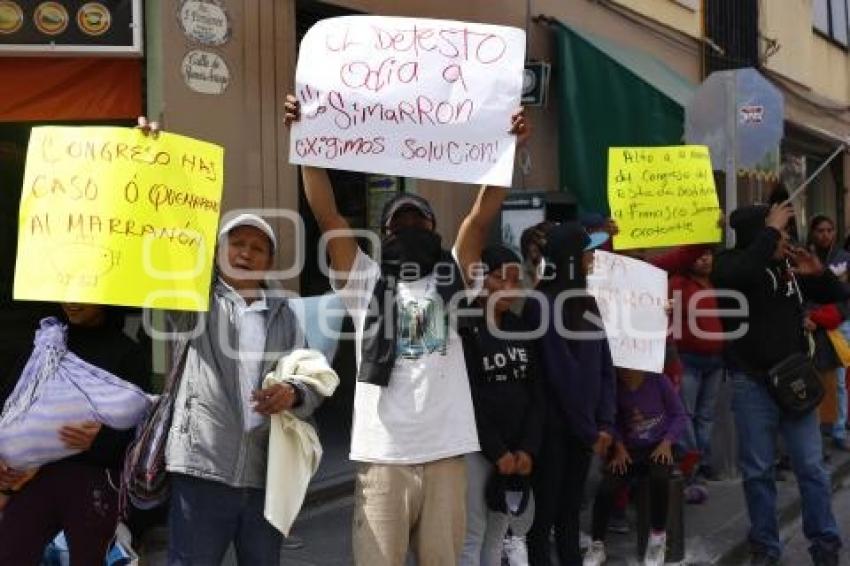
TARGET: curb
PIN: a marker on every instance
(739, 553)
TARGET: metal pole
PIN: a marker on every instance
(731, 151)
(811, 177)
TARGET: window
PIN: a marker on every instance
(829, 17)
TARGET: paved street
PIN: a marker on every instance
(711, 530)
(796, 549)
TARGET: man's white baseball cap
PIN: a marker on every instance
(247, 219)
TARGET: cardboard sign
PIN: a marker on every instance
(111, 216)
(631, 295)
(430, 99)
(662, 196)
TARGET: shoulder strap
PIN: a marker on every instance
(175, 374)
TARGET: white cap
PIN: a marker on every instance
(247, 219)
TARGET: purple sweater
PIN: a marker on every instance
(651, 413)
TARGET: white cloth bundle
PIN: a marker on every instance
(58, 388)
(294, 447)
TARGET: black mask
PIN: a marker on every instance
(408, 247)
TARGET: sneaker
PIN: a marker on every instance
(595, 555)
(823, 557)
(656, 549)
(516, 550)
(695, 494)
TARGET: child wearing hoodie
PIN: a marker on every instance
(650, 419)
(509, 405)
(579, 381)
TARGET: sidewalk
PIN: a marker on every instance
(715, 532)
(737, 550)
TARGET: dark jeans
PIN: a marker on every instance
(611, 484)
(63, 496)
(206, 516)
(759, 422)
(558, 490)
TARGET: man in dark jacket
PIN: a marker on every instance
(771, 274)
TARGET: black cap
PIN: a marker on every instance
(592, 220)
(405, 201)
(569, 239)
(497, 255)
(497, 488)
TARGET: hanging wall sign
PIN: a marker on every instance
(205, 21)
(205, 72)
(64, 27)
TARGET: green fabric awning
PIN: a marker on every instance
(610, 95)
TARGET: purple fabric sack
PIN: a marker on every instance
(58, 388)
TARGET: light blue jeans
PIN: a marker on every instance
(485, 530)
(759, 422)
(839, 430)
(700, 383)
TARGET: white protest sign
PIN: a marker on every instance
(421, 98)
(631, 295)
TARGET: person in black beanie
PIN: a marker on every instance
(580, 387)
(773, 278)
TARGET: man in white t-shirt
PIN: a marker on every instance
(413, 415)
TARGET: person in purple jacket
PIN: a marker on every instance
(580, 386)
(650, 419)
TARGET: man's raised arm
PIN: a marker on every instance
(472, 235)
(342, 247)
(474, 229)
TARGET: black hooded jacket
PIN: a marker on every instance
(773, 313)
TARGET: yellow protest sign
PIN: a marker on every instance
(662, 196)
(109, 215)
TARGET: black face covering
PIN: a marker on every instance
(410, 253)
(410, 247)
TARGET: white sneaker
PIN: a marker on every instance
(656, 550)
(595, 554)
(516, 551)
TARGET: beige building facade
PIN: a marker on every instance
(260, 54)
